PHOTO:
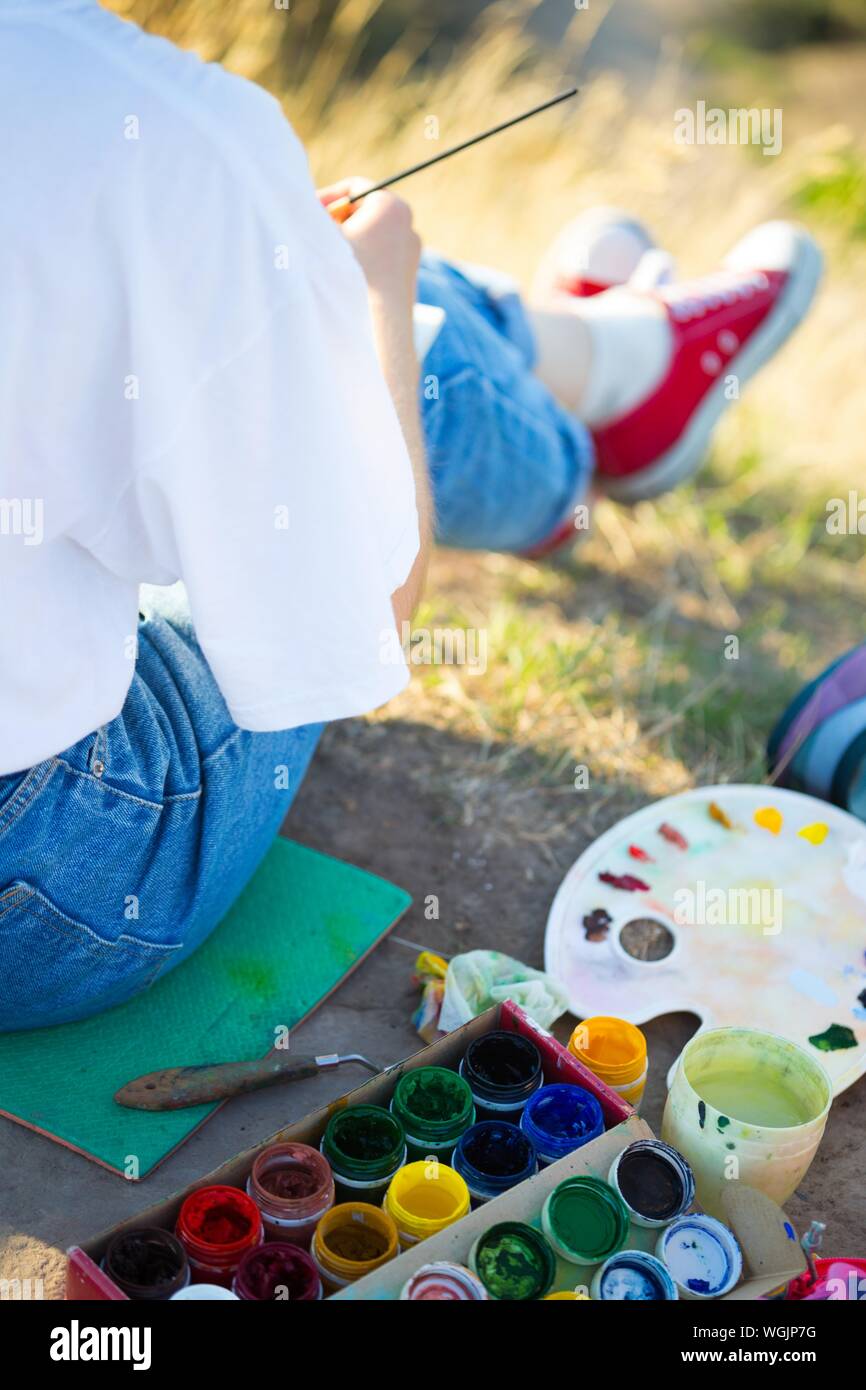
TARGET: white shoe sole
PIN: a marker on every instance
(689, 452)
(581, 231)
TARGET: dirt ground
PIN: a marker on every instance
(370, 798)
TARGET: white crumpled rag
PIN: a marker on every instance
(477, 980)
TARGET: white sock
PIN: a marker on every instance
(630, 351)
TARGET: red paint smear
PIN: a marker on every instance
(637, 853)
(628, 882)
(673, 836)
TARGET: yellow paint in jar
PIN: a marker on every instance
(423, 1198)
(352, 1240)
(616, 1052)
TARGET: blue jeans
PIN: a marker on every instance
(119, 856)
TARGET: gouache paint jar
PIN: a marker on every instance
(293, 1187)
(217, 1226)
(616, 1052)
(434, 1106)
(585, 1220)
(631, 1276)
(655, 1182)
(443, 1282)
(365, 1145)
(746, 1106)
(559, 1119)
(147, 1264)
(701, 1255)
(352, 1240)
(278, 1272)
(513, 1261)
(204, 1293)
(502, 1070)
(566, 1296)
(423, 1199)
(492, 1157)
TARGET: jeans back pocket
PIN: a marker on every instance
(54, 969)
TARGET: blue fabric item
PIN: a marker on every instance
(828, 716)
(119, 856)
(508, 464)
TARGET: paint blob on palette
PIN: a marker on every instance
(743, 904)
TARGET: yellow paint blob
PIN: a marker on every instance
(768, 818)
(816, 833)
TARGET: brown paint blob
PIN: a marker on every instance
(596, 924)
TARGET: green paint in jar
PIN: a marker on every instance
(434, 1106)
(513, 1261)
(365, 1145)
(585, 1220)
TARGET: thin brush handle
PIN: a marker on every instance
(341, 208)
(176, 1088)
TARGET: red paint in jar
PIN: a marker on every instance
(217, 1226)
(293, 1187)
(280, 1272)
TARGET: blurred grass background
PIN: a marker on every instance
(613, 656)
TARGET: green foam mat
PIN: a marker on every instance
(302, 923)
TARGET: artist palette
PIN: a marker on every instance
(745, 905)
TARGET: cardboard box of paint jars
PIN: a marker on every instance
(85, 1278)
(521, 1203)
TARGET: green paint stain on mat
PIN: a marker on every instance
(833, 1038)
(297, 928)
(253, 977)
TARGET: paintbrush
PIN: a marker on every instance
(176, 1088)
(343, 207)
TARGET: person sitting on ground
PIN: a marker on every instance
(206, 380)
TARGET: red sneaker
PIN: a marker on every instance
(598, 249)
(723, 328)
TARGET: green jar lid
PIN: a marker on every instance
(513, 1261)
(364, 1142)
(433, 1103)
(585, 1220)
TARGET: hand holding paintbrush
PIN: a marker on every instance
(343, 201)
(379, 228)
(380, 232)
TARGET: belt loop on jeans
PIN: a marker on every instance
(99, 752)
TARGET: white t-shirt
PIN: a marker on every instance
(188, 391)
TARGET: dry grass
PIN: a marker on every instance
(614, 656)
